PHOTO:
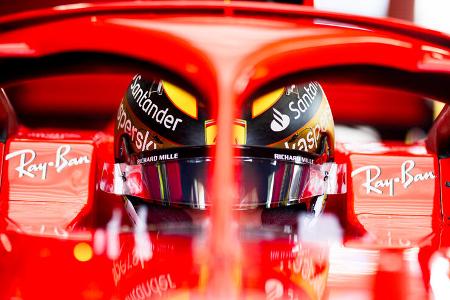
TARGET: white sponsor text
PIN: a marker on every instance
(375, 184)
(28, 168)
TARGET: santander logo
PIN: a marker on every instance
(280, 121)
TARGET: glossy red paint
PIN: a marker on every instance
(224, 53)
(408, 110)
(47, 185)
(395, 196)
(2, 151)
(444, 168)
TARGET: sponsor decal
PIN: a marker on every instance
(122, 266)
(165, 110)
(375, 183)
(280, 121)
(156, 286)
(305, 97)
(141, 138)
(151, 286)
(144, 100)
(296, 158)
(291, 110)
(28, 167)
(305, 140)
(155, 158)
(309, 137)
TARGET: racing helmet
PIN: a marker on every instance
(164, 138)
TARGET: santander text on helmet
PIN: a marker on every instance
(305, 97)
(143, 99)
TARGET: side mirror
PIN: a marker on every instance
(8, 124)
(8, 119)
(438, 140)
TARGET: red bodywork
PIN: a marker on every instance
(65, 69)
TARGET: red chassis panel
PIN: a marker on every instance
(59, 236)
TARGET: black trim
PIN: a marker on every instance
(8, 118)
(192, 152)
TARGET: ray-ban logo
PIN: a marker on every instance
(280, 121)
(28, 167)
(374, 183)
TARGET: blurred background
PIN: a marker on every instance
(427, 13)
(432, 14)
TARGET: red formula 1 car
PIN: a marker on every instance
(63, 72)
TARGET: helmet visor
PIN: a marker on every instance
(263, 177)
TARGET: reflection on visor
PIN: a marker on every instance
(260, 181)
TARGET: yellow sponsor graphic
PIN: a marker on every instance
(181, 99)
(265, 102)
(239, 132)
(437, 108)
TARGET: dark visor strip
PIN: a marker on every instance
(204, 152)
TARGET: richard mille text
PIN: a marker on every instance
(143, 99)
